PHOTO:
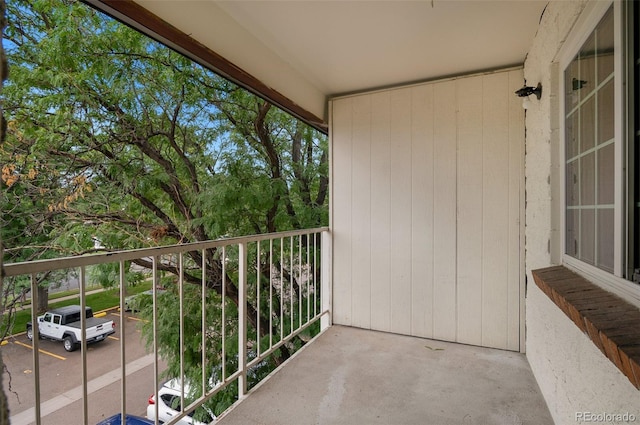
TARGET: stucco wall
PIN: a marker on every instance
(572, 373)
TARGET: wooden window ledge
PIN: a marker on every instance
(610, 322)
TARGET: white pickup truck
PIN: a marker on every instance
(63, 324)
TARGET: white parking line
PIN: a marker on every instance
(46, 408)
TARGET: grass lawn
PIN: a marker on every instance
(104, 300)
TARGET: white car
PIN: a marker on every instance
(169, 405)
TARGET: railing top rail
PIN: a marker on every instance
(39, 266)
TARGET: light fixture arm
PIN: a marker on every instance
(527, 91)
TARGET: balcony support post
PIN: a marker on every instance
(83, 344)
(123, 351)
(36, 347)
(242, 318)
(325, 280)
(156, 368)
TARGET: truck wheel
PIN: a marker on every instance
(69, 345)
(30, 333)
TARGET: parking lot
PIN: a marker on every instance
(61, 376)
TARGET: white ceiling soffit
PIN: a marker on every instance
(309, 50)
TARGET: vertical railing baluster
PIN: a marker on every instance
(299, 281)
(270, 293)
(181, 319)
(154, 296)
(325, 279)
(224, 317)
(242, 318)
(123, 319)
(83, 343)
(203, 325)
(291, 291)
(258, 296)
(281, 289)
(307, 277)
(36, 345)
(315, 264)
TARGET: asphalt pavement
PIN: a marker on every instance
(60, 374)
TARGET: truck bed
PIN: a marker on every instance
(91, 322)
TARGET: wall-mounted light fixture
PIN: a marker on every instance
(527, 91)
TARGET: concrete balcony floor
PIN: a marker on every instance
(354, 376)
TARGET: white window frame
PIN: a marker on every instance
(585, 25)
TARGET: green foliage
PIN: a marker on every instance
(130, 143)
(108, 275)
(117, 142)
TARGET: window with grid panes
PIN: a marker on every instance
(589, 83)
(601, 145)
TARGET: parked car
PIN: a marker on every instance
(169, 405)
(129, 420)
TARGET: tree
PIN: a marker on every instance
(4, 405)
(115, 138)
(26, 225)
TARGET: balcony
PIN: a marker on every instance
(355, 376)
(280, 292)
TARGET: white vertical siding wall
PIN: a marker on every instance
(422, 191)
(427, 202)
(444, 212)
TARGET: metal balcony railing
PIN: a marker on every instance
(257, 292)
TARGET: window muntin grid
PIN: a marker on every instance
(590, 149)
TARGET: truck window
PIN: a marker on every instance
(73, 317)
(47, 317)
(56, 319)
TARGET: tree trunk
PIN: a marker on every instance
(43, 299)
(4, 403)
